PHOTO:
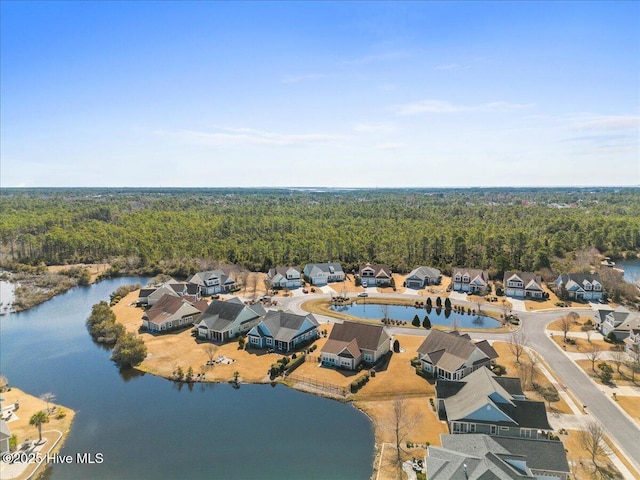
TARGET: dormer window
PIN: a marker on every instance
(465, 279)
(458, 278)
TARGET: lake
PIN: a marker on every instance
(149, 427)
(631, 269)
(406, 313)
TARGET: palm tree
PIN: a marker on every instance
(37, 419)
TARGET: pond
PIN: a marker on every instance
(437, 316)
(631, 269)
(149, 427)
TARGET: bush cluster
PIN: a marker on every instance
(360, 382)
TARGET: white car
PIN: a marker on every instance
(363, 294)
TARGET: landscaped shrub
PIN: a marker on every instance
(358, 383)
(295, 363)
(499, 370)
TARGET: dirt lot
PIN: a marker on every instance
(23, 431)
(95, 269)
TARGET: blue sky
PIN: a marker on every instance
(215, 94)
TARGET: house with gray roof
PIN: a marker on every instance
(353, 342)
(322, 273)
(283, 331)
(581, 286)
(484, 403)
(477, 456)
(158, 293)
(470, 280)
(523, 285)
(423, 276)
(452, 356)
(222, 321)
(212, 282)
(284, 277)
(619, 322)
(169, 313)
(5, 435)
(372, 275)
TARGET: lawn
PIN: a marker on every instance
(575, 326)
(631, 405)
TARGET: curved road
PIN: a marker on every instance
(620, 428)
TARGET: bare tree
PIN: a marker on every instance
(400, 423)
(253, 284)
(242, 278)
(617, 357)
(633, 360)
(565, 326)
(592, 439)
(211, 350)
(532, 368)
(593, 354)
(49, 398)
(384, 310)
(517, 344)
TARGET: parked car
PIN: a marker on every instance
(304, 290)
(363, 294)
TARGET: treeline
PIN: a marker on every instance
(155, 230)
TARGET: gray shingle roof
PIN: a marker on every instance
(369, 337)
(284, 326)
(450, 351)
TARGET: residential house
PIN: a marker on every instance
(169, 313)
(422, 277)
(523, 285)
(452, 356)
(189, 291)
(284, 277)
(619, 322)
(352, 342)
(581, 286)
(477, 456)
(283, 331)
(483, 403)
(5, 435)
(160, 292)
(212, 282)
(632, 342)
(322, 273)
(143, 295)
(469, 280)
(374, 275)
(222, 321)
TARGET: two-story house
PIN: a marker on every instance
(619, 322)
(469, 280)
(523, 285)
(212, 282)
(374, 275)
(322, 273)
(284, 277)
(581, 286)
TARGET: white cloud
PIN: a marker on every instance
(248, 136)
(440, 106)
(607, 122)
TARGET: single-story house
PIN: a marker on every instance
(352, 342)
(222, 321)
(481, 402)
(374, 275)
(452, 356)
(581, 286)
(469, 280)
(5, 435)
(323, 273)
(284, 277)
(501, 458)
(169, 313)
(160, 292)
(523, 285)
(423, 276)
(212, 282)
(283, 331)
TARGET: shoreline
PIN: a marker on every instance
(54, 433)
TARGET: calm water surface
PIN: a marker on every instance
(631, 269)
(147, 427)
(436, 316)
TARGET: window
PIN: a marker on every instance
(472, 428)
(493, 430)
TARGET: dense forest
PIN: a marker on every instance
(179, 229)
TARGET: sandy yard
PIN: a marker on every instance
(574, 327)
(95, 269)
(55, 430)
(542, 304)
(582, 344)
(399, 281)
